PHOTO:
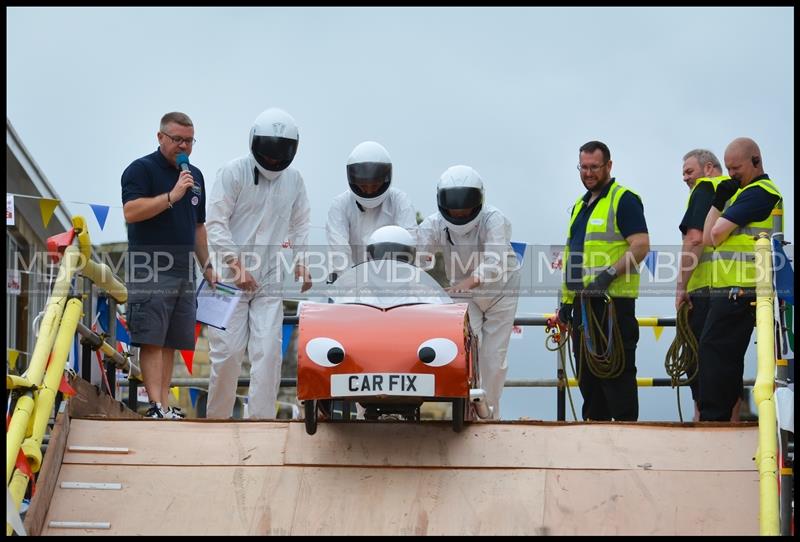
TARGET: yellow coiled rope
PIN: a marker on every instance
(603, 352)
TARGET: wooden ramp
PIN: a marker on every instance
(364, 478)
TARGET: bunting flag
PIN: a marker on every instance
(287, 338)
(47, 207)
(650, 262)
(25, 468)
(519, 250)
(12, 357)
(188, 355)
(193, 394)
(75, 353)
(100, 213)
(657, 330)
(176, 392)
(784, 275)
(65, 388)
(102, 312)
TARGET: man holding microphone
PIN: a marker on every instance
(166, 226)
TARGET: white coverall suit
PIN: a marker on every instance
(349, 226)
(486, 253)
(257, 219)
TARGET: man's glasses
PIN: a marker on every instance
(179, 140)
(593, 169)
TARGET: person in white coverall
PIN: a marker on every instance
(370, 204)
(258, 205)
(475, 241)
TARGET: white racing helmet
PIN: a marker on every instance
(391, 243)
(273, 141)
(369, 164)
(460, 188)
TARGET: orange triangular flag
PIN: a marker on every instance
(657, 330)
(65, 388)
(47, 207)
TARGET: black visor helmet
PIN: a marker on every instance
(391, 243)
(460, 187)
(369, 173)
(274, 139)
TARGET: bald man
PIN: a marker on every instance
(743, 207)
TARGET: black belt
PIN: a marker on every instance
(733, 292)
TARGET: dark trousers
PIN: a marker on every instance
(610, 398)
(723, 343)
(698, 315)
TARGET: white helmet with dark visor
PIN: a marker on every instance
(460, 189)
(273, 140)
(391, 243)
(369, 173)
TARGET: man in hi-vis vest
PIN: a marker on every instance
(607, 238)
(736, 218)
(702, 172)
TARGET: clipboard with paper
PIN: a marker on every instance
(215, 307)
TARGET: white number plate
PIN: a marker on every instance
(346, 385)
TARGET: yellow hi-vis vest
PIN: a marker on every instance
(701, 276)
(733, 262)
(603, 245)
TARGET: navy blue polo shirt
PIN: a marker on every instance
(630, 220)
(171, 231)
(699, 203)
(753, 205)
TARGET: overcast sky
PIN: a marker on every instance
(513, 92)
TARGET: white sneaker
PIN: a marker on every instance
(174, 413)
(155, 411)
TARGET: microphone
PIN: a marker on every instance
(183, 163)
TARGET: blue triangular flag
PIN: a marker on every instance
(784, 275)
(75, 354)
(102, 311)
(100, 213)
(287, 337)
(193, 393)
(650, 261)
(519, 250)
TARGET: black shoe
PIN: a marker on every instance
(154, 411)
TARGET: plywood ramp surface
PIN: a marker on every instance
(186, 477)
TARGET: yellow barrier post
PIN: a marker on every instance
(18, 427)
(763, 391)
(46, 398)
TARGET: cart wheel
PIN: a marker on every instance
(458, 414)
(311, 416)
